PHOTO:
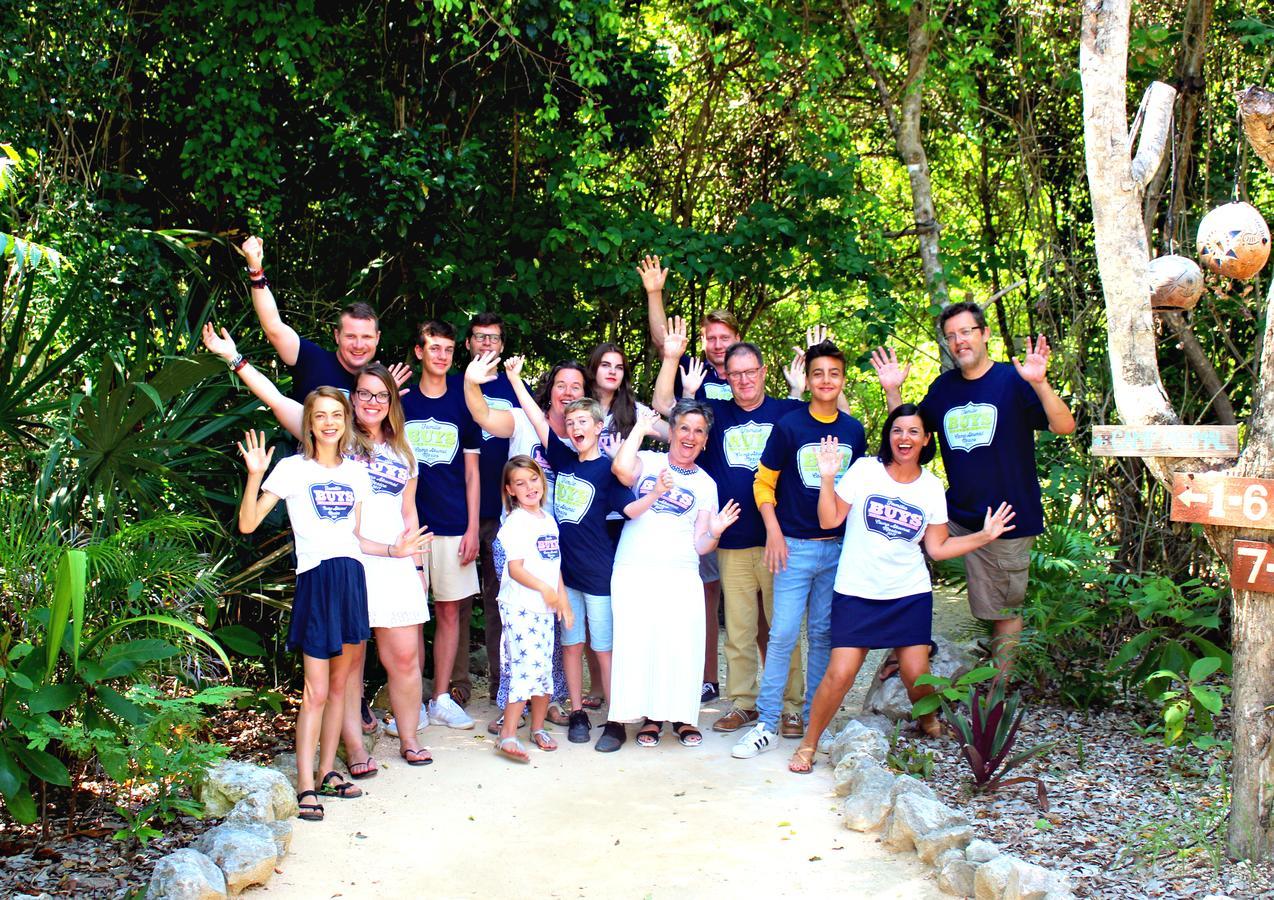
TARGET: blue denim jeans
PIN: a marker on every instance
(802, 590)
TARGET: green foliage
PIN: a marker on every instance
(908, 759)
(1190, 704)
(1190, 831)
(948, 692)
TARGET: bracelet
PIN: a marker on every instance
(420, 568)
(389, 551)
(237, 363)
(258, 282)
(256, 273)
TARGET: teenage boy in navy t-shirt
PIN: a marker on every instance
(988, 413)
(800, 552)
(446, 442)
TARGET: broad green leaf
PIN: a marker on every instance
(68, 605)
(120, 705)
(44, 766)
(11, 777)
(984, 673)
(197, 633)
(1208, 699)
(239, 639)
(1204, 667)
(53, 698)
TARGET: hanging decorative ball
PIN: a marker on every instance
(1234, 240)
(1176, 283)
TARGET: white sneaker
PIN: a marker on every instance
(391, 724)
(755, 742)
(825, 741)
(445, 711)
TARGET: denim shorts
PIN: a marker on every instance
(594, 608)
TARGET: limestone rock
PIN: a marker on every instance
(369, 743)
(874, 722)
(231, 782)
(928, 846)
(981, 851)
(889, 698)
(844, 776)
(858, 738)
(914, 816)
(905, 784)
(186, 875)
(1032, 882)
(956, 876)
(868, 802)
(991, 881)
(246, 854)
(285, 763)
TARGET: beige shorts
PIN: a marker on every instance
(448, 580)
(997, 576)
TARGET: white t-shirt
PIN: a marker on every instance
(666, 532)
(880, 557)
(534, 540)
(321, 505)
(382, 515)
(610, 440)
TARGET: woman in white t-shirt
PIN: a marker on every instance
(883, 596)
(325, 491)
(656, 595)
(396, 588)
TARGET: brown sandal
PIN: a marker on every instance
(802, 761)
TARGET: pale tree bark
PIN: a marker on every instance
(1116, 185)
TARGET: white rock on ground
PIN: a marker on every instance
(889, 698)
(956, 874)
(231, 782)
(914, 816)
(929, 846)
(980, 851)
(186, 875)
(246, 854)
(1009, 878)
(868, 802)
(874, 722)
(906, 784)
(858, 738)
(847, 771)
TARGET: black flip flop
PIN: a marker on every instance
(650, 730)
(687, 734)
(417, 761)
(368, 766)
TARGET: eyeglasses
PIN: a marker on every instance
(480, 338)
(744, 374)
(965, 333)
(369, 397)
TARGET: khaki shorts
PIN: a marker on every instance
(997, 576)
(448, 580)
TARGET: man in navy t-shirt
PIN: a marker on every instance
(356, 335)
(988, 413)
(446, 442)
(800, 553)
(741, 427)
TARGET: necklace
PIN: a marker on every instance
(681, 471)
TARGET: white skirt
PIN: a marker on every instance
(395, 595)
(657, 667)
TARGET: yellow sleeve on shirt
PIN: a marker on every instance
(763, 488)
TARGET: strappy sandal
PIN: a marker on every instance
(932, 726)
(512, 748)
(648, 734)
(417, 757)
(592, 701)
(342, 789)
(369, 721)
(687, 734)
(309, 812)
(543, 740)
(366, 769)
(802, 761)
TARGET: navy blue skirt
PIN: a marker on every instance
(330, 608)
(877, 624)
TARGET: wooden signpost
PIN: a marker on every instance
(1252, 568)
(1166, 440)
(1214, 498)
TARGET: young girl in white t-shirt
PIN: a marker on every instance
(531, 594)
(324, 491)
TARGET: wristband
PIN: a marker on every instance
(237, 363)
(420, 568)
(258, 282)
(256, 273)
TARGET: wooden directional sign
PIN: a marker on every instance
(1215, 498)
(1252, 568)
(1166, 440)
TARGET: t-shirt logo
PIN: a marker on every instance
(970, 426)
(572, 498)
(715, 390)
(434, 442)
(494, 403)
(677, 501)
(548, 546)
(388, 475)
(537, 453)
(332, 501)
(893, 518)
(743, 444)
(807, 463)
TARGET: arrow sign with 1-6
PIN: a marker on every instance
(1214, 498)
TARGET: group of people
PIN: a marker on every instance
(586, 549)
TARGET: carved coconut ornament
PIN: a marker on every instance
(1234, 240)
(1176, 283)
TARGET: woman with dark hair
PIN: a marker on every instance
(608, 374)
(883, 596)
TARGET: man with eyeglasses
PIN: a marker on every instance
(446, 442)
(741, 427)
(988, 414)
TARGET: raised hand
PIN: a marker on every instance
(795, 373)
(817, 335)
(692, 375)
(401, 373)
(253, 252)
(411, 541)
(664, 483)
(723, 519)
(646, 423)
(829, 457)
(513, 366)
(997, 523)
(652, 277)
(255, 455)
(888, 372)
(222, 345)
(1034, 367)
(675, 340)
(482, 368)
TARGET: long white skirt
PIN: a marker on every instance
(657, 668)
(395, 595)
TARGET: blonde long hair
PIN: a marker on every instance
(395, 425)
(349, 440)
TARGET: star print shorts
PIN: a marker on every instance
(526, 652)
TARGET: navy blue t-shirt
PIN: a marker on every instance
(316, 367)
(495, 450)
(731, 457)
(792, 451)
(439, 430)
(714, 387)
(986, 432)
(584, 492)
